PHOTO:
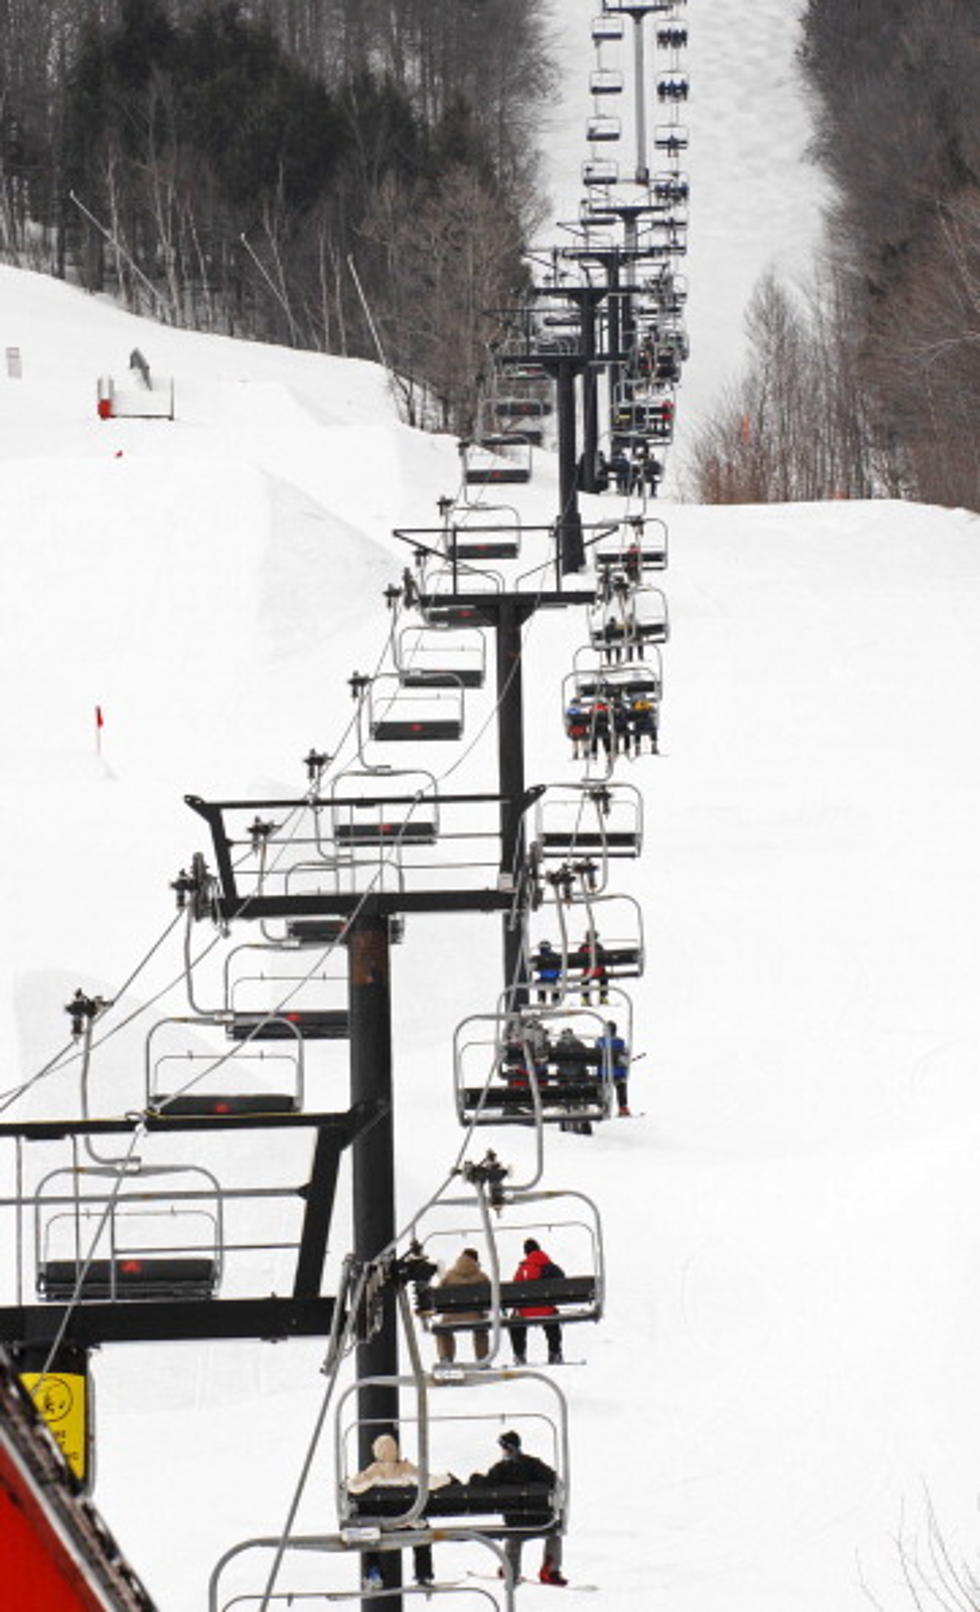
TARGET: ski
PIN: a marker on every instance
(586, 1589)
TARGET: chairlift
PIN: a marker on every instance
(184, 1079)
(602, 128)
(606, 29)
(508, 1069)
(600, 171)
(445, 1441)
(500, 465)
(162, 1236)
(385, 808)
(575, 820)
(284, 1011)
(622, 624)
(441, 657)
(488, 542)
(566, 1224)
(605, 81)
(399, 714)
(671, 137)
(673, 87)
(638, 545)
(521, 408)
(670, 187)
(671, 36)
(602, 934)
(636, 679)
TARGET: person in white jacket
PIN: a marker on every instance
(389, 1471)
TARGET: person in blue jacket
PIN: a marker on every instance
(612, 1043)
(547, 969)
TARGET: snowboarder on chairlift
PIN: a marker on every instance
(516, 1469)
(536, 1267)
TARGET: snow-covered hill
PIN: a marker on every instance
(787, 1357)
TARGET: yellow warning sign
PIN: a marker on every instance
(61, 1400)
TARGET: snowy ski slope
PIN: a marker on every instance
(787, 1363)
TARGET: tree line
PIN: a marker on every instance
(871, 384)
(354, 176)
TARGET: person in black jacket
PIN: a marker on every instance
(515, 1469)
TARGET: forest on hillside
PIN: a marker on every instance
(355, 176)
(869, 385)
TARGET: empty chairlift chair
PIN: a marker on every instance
(283, 1003)
(602, 129)
(384, 808)
(487, 540)
(158, 1236)
(504, 460)
(404, 714)
(186, 1076)
(600, 171)
(441, 657)
(597, 820)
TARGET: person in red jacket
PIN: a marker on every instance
(533, 1268)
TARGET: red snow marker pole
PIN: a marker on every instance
(99, 725)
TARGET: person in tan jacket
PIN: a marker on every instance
(389, 1471)
(466, 1270)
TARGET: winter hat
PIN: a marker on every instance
(510, 1441)
(471, 1253)
(531, 1247)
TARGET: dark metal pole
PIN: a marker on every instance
(590, 388)
(373, 1165)
(510, 753)
(569, 519)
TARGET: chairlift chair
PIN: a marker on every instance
(574, 820)
(158, 1237)
(385, 807)
(290, 1004)
(421, 714)
(486, 541)
(499, 465)
(605, 81)
(604, 930)
(600, 171)
(441, 657)
(624, 626)
(505, 1075)
(567, 1226)
(671, 137)
(455, 1436)
(630, 679)
(606, 29)
(185, 1077)
(603, 129)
